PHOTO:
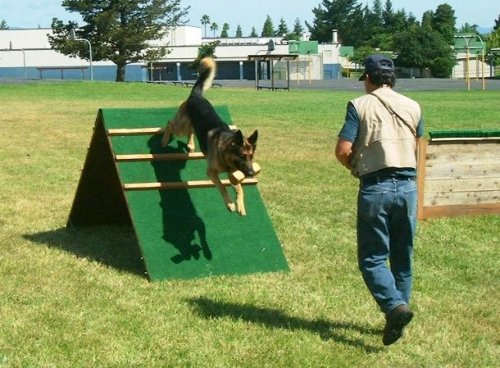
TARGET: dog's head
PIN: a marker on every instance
(243, 150)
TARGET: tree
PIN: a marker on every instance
(374, 24)
(493, 39)
(422, 47)
(297, 32)
(343, 15)
(214, 27)
(361, 53)
(3, 24)
(239, 32)
(204, 21)
(395, 21)
(497, 24)
(120, 31)
(298, 29)
(469, 29)
(427, 18)
(253, 33)
(203, 51)
(282, 28)
(225, 29)
(443, 22)
(493, 42)
(268, 29)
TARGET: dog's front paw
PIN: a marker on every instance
(231, 206)
(241, 211)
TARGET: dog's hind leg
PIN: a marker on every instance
(190, 142)
(214, 176)
(167, 133)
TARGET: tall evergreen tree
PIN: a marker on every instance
(373, 18)
(444, 22)
(239, 32)
(282, 28)
(268, 29)
(427, 19)
(3, 24)
(342, 15)
(298, 29)
(375, 34)
(120, 31)
(225, 29)
(253, 33)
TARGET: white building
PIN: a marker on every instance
(26, 53)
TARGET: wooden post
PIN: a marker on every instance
(421, 158)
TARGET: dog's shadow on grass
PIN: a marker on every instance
(183, 228)
(276, 319)
(113, 246)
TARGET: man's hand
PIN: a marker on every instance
(343, 152)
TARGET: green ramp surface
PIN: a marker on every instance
(187, 233)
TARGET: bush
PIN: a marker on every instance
(441, 67)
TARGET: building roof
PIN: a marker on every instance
(472, 42)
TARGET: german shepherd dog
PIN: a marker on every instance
(225, 150)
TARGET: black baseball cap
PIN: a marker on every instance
(376, 62)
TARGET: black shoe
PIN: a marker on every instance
(396, 321)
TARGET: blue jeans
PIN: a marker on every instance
(386, 223)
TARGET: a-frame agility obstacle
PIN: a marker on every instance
(182, 227)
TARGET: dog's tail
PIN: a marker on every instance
(205, 77)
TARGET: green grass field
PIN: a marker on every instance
(79, 299)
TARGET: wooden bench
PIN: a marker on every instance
(62, 69)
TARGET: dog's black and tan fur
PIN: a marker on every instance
(226, 150)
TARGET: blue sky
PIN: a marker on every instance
(248, 14)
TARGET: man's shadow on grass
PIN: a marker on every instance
(114, 246)
(274, 318)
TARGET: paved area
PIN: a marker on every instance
(424, 84)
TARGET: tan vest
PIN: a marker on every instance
(385, 138)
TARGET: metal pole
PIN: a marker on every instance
(256, 74)
(91, 67)
(24, 62)
(288, 74)
(90, 56)
(72, 36)
(482, 69)
(467, 77)
(482, 61)
(271, 67)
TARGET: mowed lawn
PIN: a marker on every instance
(80, 299)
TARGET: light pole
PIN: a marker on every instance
(72, 36)
(24, 62)
(482, 60)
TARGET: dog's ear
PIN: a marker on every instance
(238, 138)
(253, 138)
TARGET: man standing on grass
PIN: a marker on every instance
(378, 143)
